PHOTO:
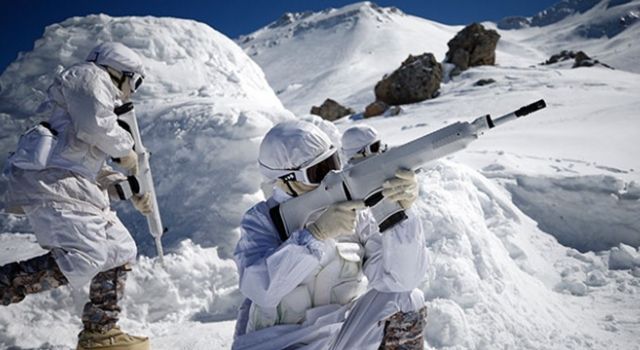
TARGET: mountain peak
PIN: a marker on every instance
(292, 24)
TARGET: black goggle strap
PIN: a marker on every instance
(287, 179)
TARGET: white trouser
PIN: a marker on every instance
(83, 243)
(362, 328)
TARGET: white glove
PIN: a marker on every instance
(142, 203)
(402, 189)
(130, 162)
(338, 219)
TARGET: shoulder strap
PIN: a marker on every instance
(276, 218)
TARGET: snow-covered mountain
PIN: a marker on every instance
(524, 228)
(342, 53)
(339, 53)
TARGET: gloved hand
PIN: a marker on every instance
(402, 189)
(338, 219)
(130, 162)
(142, 203)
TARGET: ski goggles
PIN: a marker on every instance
(315, 172)
(374, 148)
(134, 80)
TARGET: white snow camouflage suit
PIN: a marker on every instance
(309, 294)
(68, 209)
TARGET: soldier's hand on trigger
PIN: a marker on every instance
(402, 189)
(142, 203)
(338, 219)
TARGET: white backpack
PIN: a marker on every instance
(34, 148)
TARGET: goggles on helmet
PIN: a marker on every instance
(374, 148)
(313, 173)
(134, 80)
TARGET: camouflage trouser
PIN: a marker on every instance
(27, 277)
(403, 331)
(42, 273)
(101, 313)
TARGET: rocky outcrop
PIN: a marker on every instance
(380, 108)
(472, 46)
(374, 109)
(417, 79)
(580, 58)
(331, 110)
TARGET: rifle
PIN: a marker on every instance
(143, 182)
(363, 180)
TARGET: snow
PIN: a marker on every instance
(533, 231)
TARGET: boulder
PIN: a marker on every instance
(417, 79)
(472, 46)
(374, 109)
(331, 110)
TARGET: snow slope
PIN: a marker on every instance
(498, 276)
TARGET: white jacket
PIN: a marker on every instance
(88, 131)
(277, 275)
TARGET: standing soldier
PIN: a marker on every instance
(67, 199)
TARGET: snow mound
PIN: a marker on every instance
(202, 110)
(624, 257)
(194, 285)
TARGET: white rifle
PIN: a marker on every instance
(363, 181)
(143, 182)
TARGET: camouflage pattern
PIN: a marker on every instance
(28, 277)
(101, 313)
(403, 331)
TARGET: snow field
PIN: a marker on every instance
(497, 278)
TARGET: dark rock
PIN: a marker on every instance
(417, 79)
(580, 58)
(375, 108)
(472, 46)
(562, 56)
(331, 110)
(483, 82)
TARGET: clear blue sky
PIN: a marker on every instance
(23, 21)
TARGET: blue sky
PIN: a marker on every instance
(23, 21)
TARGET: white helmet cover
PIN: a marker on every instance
(358, 137)
(116, 56)
(292, 145)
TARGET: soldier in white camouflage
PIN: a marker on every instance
(67, 200)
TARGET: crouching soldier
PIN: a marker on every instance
(66, 199)
(338, 283)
